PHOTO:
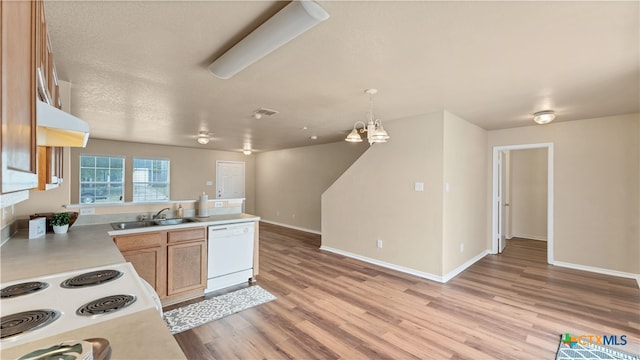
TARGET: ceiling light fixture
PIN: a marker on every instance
(544, 117)
(246, 151)
(290, 22)
(204, 137)
(373, 127)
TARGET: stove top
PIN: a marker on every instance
(22, 289)
(92, 278)
(22, 322)
(57, 303)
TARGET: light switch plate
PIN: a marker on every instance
(419, 186)
(37, 227)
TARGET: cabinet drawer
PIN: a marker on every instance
(187, 235)
(139, 241)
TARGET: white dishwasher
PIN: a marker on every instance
(230, 255)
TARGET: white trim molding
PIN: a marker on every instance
(291, 227)
(529, 237)
(406, 270)
(453, 273)
(550, 197)
(598, 270)
(384, 264)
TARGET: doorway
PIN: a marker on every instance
(229, 179)
(501, 199)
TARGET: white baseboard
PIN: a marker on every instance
(598, 270)
(531, 237)
(291, 226)
(384, 264)
(453, 273)
(406, 270)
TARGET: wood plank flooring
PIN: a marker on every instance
(509, 306)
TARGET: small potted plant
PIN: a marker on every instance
(60, 222)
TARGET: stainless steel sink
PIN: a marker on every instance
(175, 221)
(132, 225)
(147, 223)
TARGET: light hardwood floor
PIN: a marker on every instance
(509, 306)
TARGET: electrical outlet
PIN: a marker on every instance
(379, 244)
(87, 211)
(461, 247)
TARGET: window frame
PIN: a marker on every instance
(153, 182)
(108, 184)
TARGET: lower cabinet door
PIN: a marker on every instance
(186, 265)
(150, 265)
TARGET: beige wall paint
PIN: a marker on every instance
(464, 205)
(529, 193)
(375, 198)
(596, 175)
(289, 183)
(190, 168)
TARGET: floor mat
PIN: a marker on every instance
(192, 315)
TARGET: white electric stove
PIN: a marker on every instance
(62, 302)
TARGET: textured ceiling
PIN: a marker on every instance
(138, 69)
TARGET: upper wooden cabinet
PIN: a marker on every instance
(18, 92)
(50, 167)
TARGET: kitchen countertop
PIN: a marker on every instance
(142, 335)
(81, 247)
(199, 221)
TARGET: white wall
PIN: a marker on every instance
(596, 193)
(529, 193)
(375, 199)
(465, 164)
(290, 183)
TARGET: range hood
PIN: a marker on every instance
(58, 128)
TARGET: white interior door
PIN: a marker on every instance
(229, 180)
(500, 198)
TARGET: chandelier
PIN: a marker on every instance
(373, 127)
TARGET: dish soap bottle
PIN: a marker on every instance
(180, 211)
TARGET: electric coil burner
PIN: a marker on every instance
(22, 289)
(71, 300)
(91, 279)
(106, 305)
(23, 322)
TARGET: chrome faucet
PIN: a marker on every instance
(158, 213)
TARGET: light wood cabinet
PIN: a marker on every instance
(50, 167)
(187, 267)
(174, 261)
(18, 93)
(148, 254)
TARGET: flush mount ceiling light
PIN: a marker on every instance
(246, 151)
(290, 22)
(259, 113)
(544, 117)
(204, 137)
(373, 127)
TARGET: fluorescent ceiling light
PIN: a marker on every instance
(290, 22)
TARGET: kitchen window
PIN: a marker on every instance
(150, 179)
(101, 179)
